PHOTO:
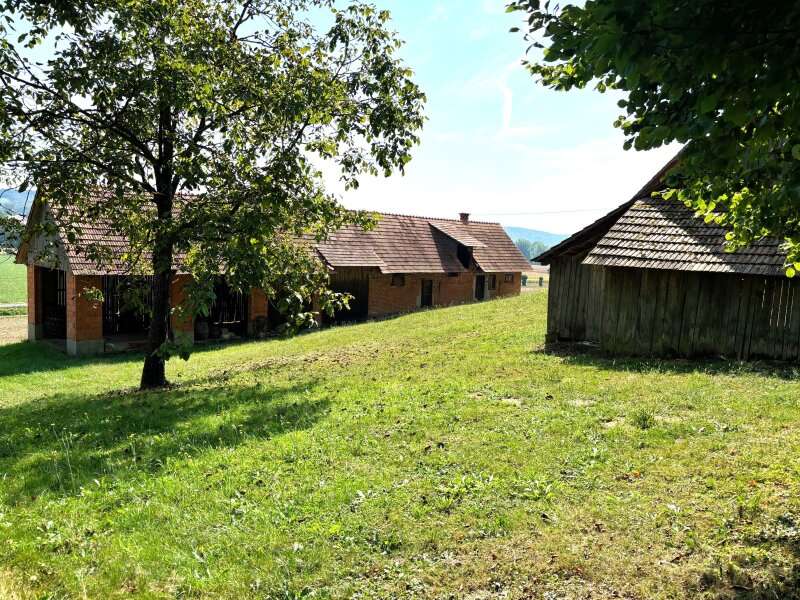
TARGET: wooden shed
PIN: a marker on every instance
(651, 279)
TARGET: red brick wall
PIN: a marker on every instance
(456, 290)
(180, 323)
(84, 316)
(34, 305)
(258, 310)
(511, 288)
(384, 299)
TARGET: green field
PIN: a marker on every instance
(13, 285)
(438, 455)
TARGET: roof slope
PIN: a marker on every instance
(657, 234)
(398, 244)
(588, 236)
(408, 244)
(95, 248)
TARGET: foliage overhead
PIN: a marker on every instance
(204, 123)
(721, 77)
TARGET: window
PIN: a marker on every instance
(465, 256)
(398, 280)
(509, 278)
(492, 282)
(452, 274)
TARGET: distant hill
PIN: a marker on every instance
(534, 235)
(16, 203)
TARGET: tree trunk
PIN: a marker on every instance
(154, 369)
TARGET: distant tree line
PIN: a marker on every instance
(530, 249)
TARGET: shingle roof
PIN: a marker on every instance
(582, 240)
(408, 244)
(398, 244)
(659, 234)
(95, 248)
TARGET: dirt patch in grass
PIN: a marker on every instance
(13, 329)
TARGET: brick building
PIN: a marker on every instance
(406, 263)
(403, 264)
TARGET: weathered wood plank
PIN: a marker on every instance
(630, 299)
(609, 340)
(689, 316)
(648, 305)
(792, 348)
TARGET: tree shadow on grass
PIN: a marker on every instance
(35, 357)
(66, 441)
(585, 355)
(746, 579)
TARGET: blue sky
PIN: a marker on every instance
(497, 144)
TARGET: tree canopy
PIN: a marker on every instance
(530, 249)
(199, 120)
(720, 77)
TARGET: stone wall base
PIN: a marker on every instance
(85, 347)
(35, 332)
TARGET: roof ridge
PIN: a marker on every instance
(424, 218)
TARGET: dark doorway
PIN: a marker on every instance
(228, 313)
(358, 288)
(126, 305)
(426, 298)
(480, 287)
(54, 303)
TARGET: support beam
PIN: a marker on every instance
(84, 316)
(35, 309)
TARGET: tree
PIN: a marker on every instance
(721, 77)
(197, 120)
(530, 249)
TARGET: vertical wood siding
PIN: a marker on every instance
(675, 313)
(575, 300)
(746, 317)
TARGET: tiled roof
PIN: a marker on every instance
(582, 240)
(407, 244)
(460, 232)
(97, 233)
(398, 244)
(659, 234)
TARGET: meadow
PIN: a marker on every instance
(443, 454)
(13, 285)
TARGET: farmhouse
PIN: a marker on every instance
(403, 264)
(650, 278)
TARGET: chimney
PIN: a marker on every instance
(464, 217)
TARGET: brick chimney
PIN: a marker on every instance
(464, 217)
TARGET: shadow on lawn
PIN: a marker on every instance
(589, 356)
(66, 441)
(34, 357)
(747, 579)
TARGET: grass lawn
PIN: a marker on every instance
(13, 282)
(438, 455)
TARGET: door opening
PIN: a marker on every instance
(480, 287)
(426, 298)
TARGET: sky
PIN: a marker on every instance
(497, 144)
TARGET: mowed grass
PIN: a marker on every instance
(439, 455)
(13, 282)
